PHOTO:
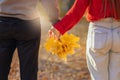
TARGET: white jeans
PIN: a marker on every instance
(103, 49)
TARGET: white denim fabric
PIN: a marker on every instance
(103, 49)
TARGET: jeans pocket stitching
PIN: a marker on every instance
(94, 43)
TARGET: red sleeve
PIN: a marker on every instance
(72, 16)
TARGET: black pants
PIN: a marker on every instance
(25, 36)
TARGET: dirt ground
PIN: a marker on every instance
(52, 68)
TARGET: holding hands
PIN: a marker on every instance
(54, 33)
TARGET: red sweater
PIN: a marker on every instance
(96, 9)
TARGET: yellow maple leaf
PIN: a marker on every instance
(64, 46)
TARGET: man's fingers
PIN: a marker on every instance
(53, 33)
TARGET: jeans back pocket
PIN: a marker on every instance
(98, 40)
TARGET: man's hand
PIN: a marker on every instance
(54, 33)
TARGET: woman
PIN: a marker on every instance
(103, 43)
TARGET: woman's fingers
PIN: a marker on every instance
(54, 33)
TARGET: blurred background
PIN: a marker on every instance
(50, 66)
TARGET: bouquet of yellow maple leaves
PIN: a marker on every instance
(63, 46)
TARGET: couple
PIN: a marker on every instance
(19, 27)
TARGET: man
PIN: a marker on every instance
(20, 28)
(103, 43)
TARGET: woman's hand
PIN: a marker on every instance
(54, 33)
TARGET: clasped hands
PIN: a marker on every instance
(54, 33)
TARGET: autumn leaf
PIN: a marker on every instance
(63, 47)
